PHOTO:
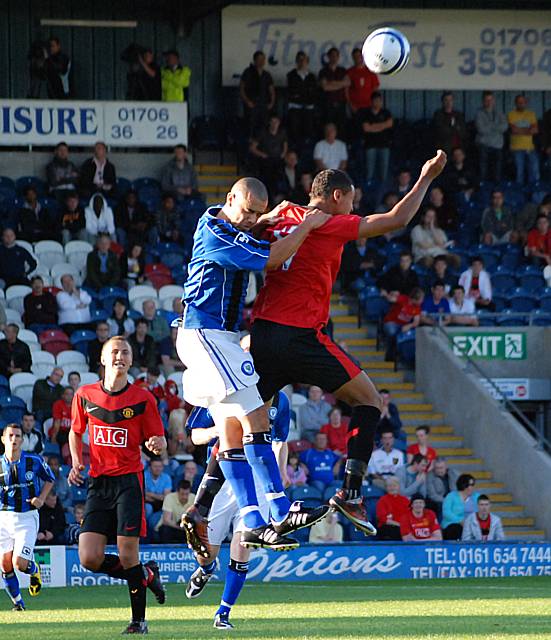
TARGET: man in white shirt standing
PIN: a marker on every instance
(385, 461)
(330, 153)
(73, 306)
(463, 309)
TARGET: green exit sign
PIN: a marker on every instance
(499, 345)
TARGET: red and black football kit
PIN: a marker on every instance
(118, 424)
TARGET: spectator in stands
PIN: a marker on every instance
(330, 153)
(61, 413)
(174, 506)
(457, 506)
(158, 326)
(326, 531)
(98, 174)
(399, 279)
(538, 245)
(545, 143)
(446, 213)
(462, 309)
(458, 176)
(302, 95)
(377, 124)
(257, 92)
(390, 417)
(61, 485)
(404, 183)
(491, 126)
(268, 148)
(45, 392)
(448, 126)
(170, 362)
(144, 351)
(61, 173)
(525, 220)
(52, 523)
(57, 67)
(15, 355)
(73, 219)
(96, 345)
(404, 315)
(419, 523)
(497, 221)
(439, 271)
(167, 221)
(390, 510)
(132, 265)
(99, 218)
(440, 481)
(323, 464)
(35, 221)
(436, 303)
(334, 81)
(313, 413)
(120, 324)
(144, 78)
(336, 431)
(477, 285)
(33, 441)
(179, 178)
(523, 125)
(191, 475)
(301, 193)
(74, 380)
(72, 530)
(175, 78)
(358, 259)
(73, 306)
(413, 476)
(297, 471)
(483, 526)
(132, 220)
(389, 201)
(385, 461)
(362, 87)
(289, 178)
(40, 307)
(102, 265)
(180, 445)
(422, 446)
(157, 485)
(428, 240)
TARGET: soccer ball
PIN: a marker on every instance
(386, 51)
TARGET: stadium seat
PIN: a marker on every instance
(140, 183)
(305, 492)
(13, 316)
(171, 254)
(531, 278)
(98, 315)
(501, 300)
(22, 183)
(505, 320)
(42, 363)
(54, 341)
(405, 348)
(80, 339)
(522, 300)
(15, 296)
(170, 291)
(21, 385)
(7, 183)
(373, 305)
(69, 357)
(88, 377)
(296, 446)
(486, 320)
(158, 274)
(13, 408)
(26, 245)
(49, 252)
(123, 185)
(76, 253)
(142, 291)
(60, 269)
(545, 302)
(4, 384)
(503, 279)
(78, 494)
(372, 491)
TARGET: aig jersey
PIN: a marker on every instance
(299, 292)
(218, 273)
(118, 423)
(20, 481)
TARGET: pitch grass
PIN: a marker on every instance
(500, 609)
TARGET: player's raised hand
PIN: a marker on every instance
(156, 444)
(315, 218)
(273, 217)
(75, 475)
(434, 167)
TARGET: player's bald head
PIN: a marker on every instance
(250, 189)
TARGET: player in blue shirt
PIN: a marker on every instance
(25, 481)
(225, 513)
(219, 374)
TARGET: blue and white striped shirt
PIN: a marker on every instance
(21, 481)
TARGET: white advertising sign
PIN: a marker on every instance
(449, 49)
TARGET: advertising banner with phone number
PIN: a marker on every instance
(449, 49)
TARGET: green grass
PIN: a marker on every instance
(398, 609)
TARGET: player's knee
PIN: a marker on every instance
(90, 559)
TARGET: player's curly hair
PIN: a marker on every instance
(328, 180)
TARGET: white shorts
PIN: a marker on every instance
(18, 533)
(225, 516)
(217, 366)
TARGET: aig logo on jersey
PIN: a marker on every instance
(110, 436)
(248, 368)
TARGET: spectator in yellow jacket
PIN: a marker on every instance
(174, 78)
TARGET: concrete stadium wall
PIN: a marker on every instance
(507, 449)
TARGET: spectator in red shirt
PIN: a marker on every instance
(336, 431)
(422, 446)
(363, 83)
(404, 315)
(419, 523)
(334, 82)
(539, 242)
(391, 508)
(61, 414)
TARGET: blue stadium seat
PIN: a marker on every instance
(140, 183)
(4, 384)
(541, 318)
(514, 199)
(506, 320)
(305, 492)
(51, 449)
(22, 183)
(484, 320)
(405, 348)
(80, 339)
(371, 491)
(7, 183)
(12, 408)
(373, 305)
(522, 300)
(501, 300)
(531, 278)
(545, 302)
(78, 494)
(98, 315)
(503, 279)
(123, 185)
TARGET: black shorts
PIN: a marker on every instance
(115, 506)
(292, 355)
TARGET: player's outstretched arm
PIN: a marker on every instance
(201, 436)
(281, 250)
(402, 213)
(38, 501)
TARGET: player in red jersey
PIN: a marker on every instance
(120, 417)
(288, 338)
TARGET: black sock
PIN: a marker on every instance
(137, 588)
(112, 566)
(361, 435)
(210, 485)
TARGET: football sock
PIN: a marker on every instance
(235, 579)
(112, 566)
(258, 449)
(361, 435)
(209, 568)
(12, 584)
(210, 485)
(137, 588)
(31, 567)
(239, 474)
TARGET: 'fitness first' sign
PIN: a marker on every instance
(449, 49)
